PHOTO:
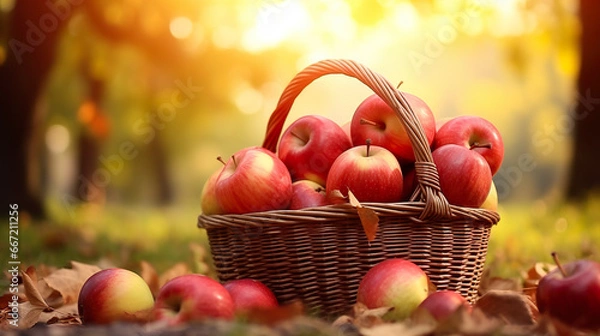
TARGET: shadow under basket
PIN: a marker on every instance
(319, 255)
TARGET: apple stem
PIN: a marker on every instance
(558, 264)
(398, 86)
(220, 159)
(478, 145)
(368, 146)
(234, 162)
(368, 122)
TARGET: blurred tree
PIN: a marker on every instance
(584, 178)
(33, 33)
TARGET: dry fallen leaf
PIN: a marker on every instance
(489, 283)
(68, 281)
(362, 317)
(176, 270)
(532, 277)
(510, 306)
(200, 257)
(31, 291)
(150, 276)
(368, 217)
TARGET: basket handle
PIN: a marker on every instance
(436, 205)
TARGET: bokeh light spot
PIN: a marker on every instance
(57, 138)
(181, 27)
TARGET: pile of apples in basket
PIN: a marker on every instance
(318, 162)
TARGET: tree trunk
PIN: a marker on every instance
(33, 33)
(584, 179)
(161, 172)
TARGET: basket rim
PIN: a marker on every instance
(340, 212)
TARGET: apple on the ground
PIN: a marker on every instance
(309, 146)
(193, 297)
(442, 304)
(571, 293)
(253, 179)
(112, 295)
(474, 133)
(397, 283)
(306, 194)
(372, 173)
(465, 176)
(249, 294)
(375, 120)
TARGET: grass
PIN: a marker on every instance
(123, 236)
(528, 233)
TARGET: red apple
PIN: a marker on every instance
(465, 176)
(375, 120)
(250, 294)
(474, 133)
(372, 173)
(442, 304)
(409, 182)
(396, 283)
(193, 297)
(111, 295)
(306, 194)
(571, 294)
(309, 146)
(254, 179)
(208, 198)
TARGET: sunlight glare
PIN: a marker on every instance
(57, 138)
(406, 17)
(275, 23)
(181, 27)
(7, 5)
(247, 99)
(508, 18)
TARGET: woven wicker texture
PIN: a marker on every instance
(319, 255)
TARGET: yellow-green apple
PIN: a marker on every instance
(249, 294)
(372, 173)
(113, 294)
(443, 303)
(306, 194)
(309, 146)
(208, 198)
(397, 283)
(253, 179)
(571, 293)
(474, 133)
(193, 297)
(491, 201)
(375, 120)
(465, 176)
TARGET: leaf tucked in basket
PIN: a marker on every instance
(368, 217)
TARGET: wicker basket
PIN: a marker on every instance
(319, 255)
